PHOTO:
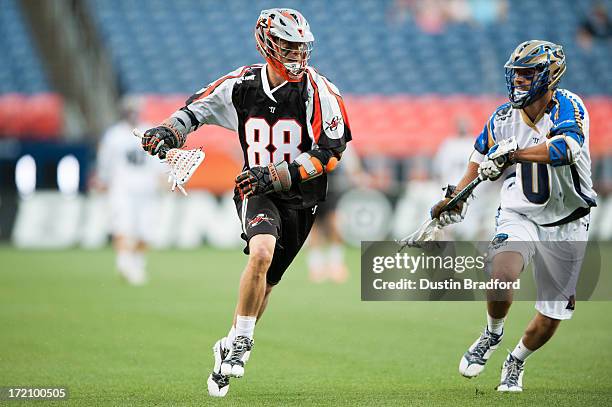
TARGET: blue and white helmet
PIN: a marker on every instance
(547, 60)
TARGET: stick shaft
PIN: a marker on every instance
(462, 195)
(162, 148)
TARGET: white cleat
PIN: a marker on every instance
(473, 361)
(512, 375)
(218, 384)
(233, 364)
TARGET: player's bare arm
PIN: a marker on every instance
(534, 154)
(471, 172)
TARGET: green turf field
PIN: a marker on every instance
(67, 320)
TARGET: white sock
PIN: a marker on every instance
(245, 326)
(231, 335)
(494, 325)
(139, 261)
(521, 352)
(122, 261)
(316, 260)
(336, 255)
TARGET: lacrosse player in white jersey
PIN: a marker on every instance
(542, 135)
(132, 180)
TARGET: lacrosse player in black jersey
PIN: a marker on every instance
(293, 128)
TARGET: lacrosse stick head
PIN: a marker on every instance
(425, 237)
(182, 164)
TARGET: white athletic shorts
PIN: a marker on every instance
(525, 236)
(133, 215)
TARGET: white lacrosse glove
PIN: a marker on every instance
(430, 230)
(489, 170)
(499, 157)
(448, 217)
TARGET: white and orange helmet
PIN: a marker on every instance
(284, 39)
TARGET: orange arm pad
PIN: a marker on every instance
(319, 168)
(331, 165)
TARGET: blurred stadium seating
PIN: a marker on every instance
(21, 70)
(175, 46)
(23, 84)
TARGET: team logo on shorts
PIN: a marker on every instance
(571, 304)
(499, 240)
(259, 218)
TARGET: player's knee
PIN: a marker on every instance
(260, 256)
(507, 266)
(545, 323)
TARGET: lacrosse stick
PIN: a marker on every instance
(181, 163)
(429, 230)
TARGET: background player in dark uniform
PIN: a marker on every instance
(293, 128)
(326, 260)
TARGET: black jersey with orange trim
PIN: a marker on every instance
(276, 124)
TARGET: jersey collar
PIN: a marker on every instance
(266, 85)
(533, 123)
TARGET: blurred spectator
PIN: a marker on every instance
(432, 16)
(487, 12)
(596, 26)
(401, 11)
(429, 15)
(458, 11)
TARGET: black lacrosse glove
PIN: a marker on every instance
(160, 139)
(260, 180)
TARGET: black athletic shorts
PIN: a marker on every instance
(329, 205)
(261, 215)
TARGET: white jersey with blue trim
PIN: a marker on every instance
(545, 193)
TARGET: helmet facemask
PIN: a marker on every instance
(534, 68)
(526, 85)
(284, 39)
(291, 58)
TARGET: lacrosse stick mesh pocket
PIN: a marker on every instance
(183, 163)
